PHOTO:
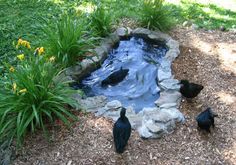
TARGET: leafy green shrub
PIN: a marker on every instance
(68, 40)
(30, 96)
(155, 15)
(101, 21)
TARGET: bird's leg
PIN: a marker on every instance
(189, 100)
(213, 122)
(213, 125)
(208, 130)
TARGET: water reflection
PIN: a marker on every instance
(139, 88)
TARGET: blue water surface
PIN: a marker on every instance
(139, 88)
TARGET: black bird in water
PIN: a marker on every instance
(115, 77)
(121, 131)
(189, 90)
(206, 119)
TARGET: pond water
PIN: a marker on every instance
(139, 88)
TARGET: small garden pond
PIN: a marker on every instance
(139, 87)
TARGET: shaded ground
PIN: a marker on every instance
(206, 57)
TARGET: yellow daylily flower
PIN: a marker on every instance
(19, 42)
(52, 59)
(28, 45)
(23, 43)
(41, 50)
(14, 87)
(12, 69)
(21, 57)
(23, 90)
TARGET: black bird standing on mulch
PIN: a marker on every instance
(121, 131)
(206, 119)
(189, 90)
(115, 77)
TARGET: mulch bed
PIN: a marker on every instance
(202, 60)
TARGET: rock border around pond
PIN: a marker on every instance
(150, 122)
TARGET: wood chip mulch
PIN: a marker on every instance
(207, 57)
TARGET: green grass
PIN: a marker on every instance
(20, 19)
(207, 16)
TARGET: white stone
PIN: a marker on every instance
(168, 105)
(122, 32)
(154, 128)
(172, 44)
(135, 120)
(168, 97)
(86, 63)
(144, 132)
(115, 104)
(174, 113)
(171, 54)
(168, 84)
(187, 23)
(162, 74)
(92, 104)
(194, 26)
(142, 31)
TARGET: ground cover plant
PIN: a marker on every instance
(101, 21)
(156, 15)
(68, 40)
(31, 95)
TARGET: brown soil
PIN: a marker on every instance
(206, 57)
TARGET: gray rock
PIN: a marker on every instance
(168, 105)
(172, 44)
(86, 63)
(100, 51)
(114, 38)
(145, 133)
(100, 111)
(164, 73)
(157, 122)
(168, 97)
(115, 104)
(114, 114)
(168, 84)
(171, 54)
(165, 65)
(92, 104)
(187, 23)
(157, 37)
(160, 36)
(123, 32)
(141, 31)
(134, 119)
(154, 128)
(174, 114)
(161, 117)
(194, 26)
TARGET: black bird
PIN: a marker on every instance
(206, 119)
(121, 131)
(115, 77)
(189, 90)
